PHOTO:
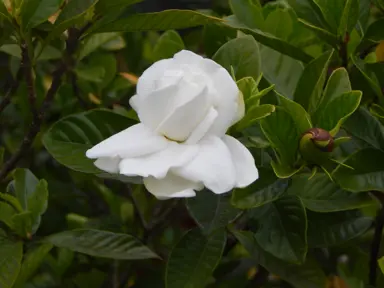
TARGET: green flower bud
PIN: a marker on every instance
(315, 145)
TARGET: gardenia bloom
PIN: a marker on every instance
(185, 105)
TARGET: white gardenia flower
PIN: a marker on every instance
(185, 105)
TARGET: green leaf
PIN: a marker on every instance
(31, 263)
(193, 259)
(279, 23)
(4, 12)
(332, 12)
(297, 112)
(308, 275)
(6, 214)
(242, 54)
(249, 11)
(309, 11)
(338, 110)
(12, 200)
(266, 189)
(328, 37)
(269, 40)
(38, 203)
(376, 110)
(349, 17)
(164, 20)
(68, 139)
(321, 194)
(254, 114)
(35, 12)
(104, 6)
(283, 229)
(381, 264)
(215, 36)
(211, 211)
(168, 45)
(284, 139)
(22, 224)
(23, 186)
(310, 86)
(365, 127)
(367, 173)
(90, 73)
(108, 63)
(102, 244)
(373, 34)
(11, 254)
(281, 70)
(95, 41)
(330, 229)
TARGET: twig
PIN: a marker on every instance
(376, 241)
(27, 67)
(13, 88)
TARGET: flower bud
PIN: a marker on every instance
(314, 144)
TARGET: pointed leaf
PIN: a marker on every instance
(255, 113)
(330, 229)
(193, 259)
(310, 87)
(23, 186)
(35, 12)
(283, 229)
(102, 244)
(38, 203)
(69, 138)
(95, 41)
(320, 194)
(242, 54)
(249, 11)
(211, 211)
(11, 254)
(6, 214)
(349, 17)
(328, 37)
(168, 45)
(267, 189)
(104, 6)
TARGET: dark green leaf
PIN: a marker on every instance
(349, 17)
(253, 114)
(6, 214)
(283, 229)
(242, 54)
(102, 244)
(308, 275)
(266, 189)
(330, 229)
(22, 224)
(367, 173)
(35, 12)
(69, 139)
(164, 20)
(168, 45)
(309, 11)
(211, 211)
(12, 200)
(321, 194)
(328, 37)
(37, 203)
(104, 6)
(365, 127)
(310, 86)
(94, 74)
(93, 42)
(11, 254)
(332, 12)
(193, 259)
(32, 261)
(23, 186)
(249, 11)
(269, 40)
(215, 36)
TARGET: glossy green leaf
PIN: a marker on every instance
(284, 139)
(11, 254)
(104, 6)
(279, 23)
(68, 139)
(23, 186)
(377, 111)
(308, 275)
(310, 86)
(381, 264)
(373, 34)
(349, 17)
(266, 189)
(332, 12)
(249, 11)
(193, 259)
(168, 45)
(330, 229)
(95, 41)
(6, 213)
(283, 229)
(365, 127)
(328, 37)
(367, 173)
(35, 12)
(242, 54)
(100, 243)
(321, 194)
(22, 224)
(108, 63)
(211, 211)
(253, 114)
(215, 36)
(164, 20)
(309, 11)
(269, 40)
(338, 110)
(12, 200)
(38, 203)
(31, 263)
(281, 70)
(91, 73)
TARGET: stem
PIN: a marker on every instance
(27, 67)
(343, 52)
(15, 85)
(376, 241)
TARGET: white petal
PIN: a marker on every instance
(203, 127)
(213, 166)
(158, 164)
(110, 165)
(246, 171)
(171, 186)
(226, 101)
(147, 82)
(187, 57)
(180, 124)
(135, 141)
